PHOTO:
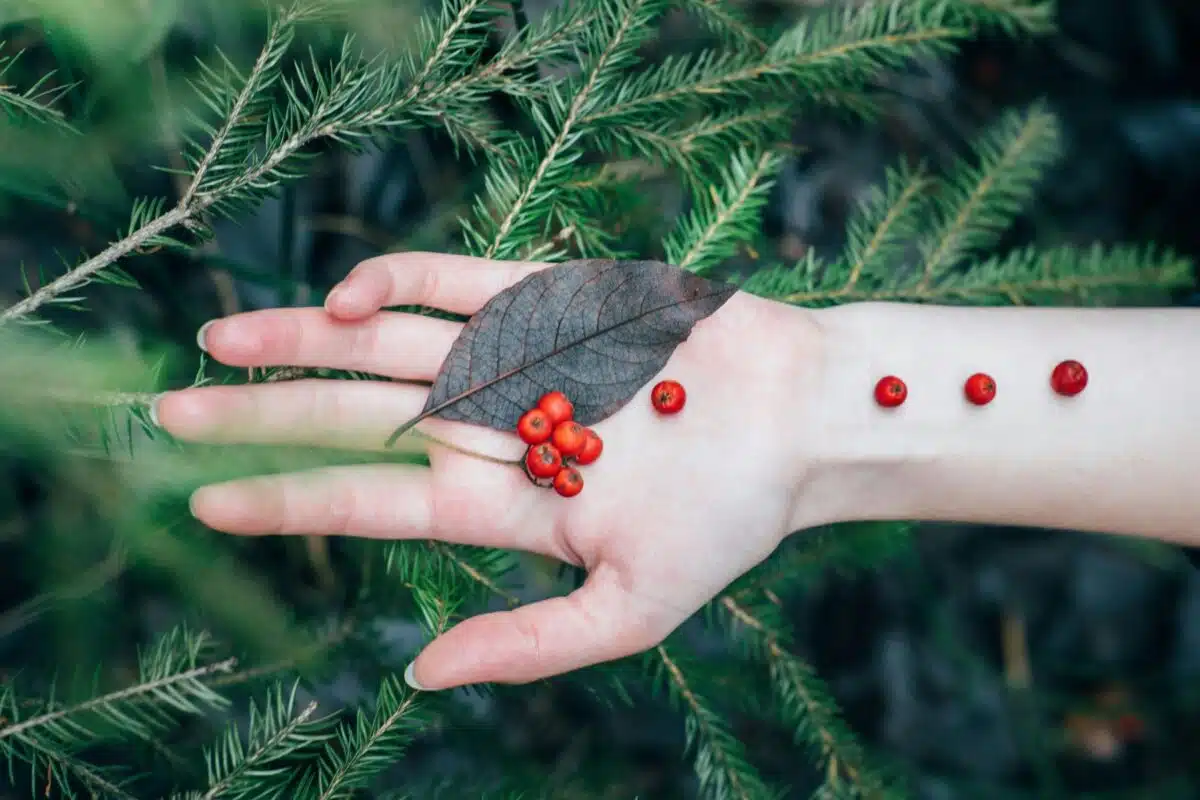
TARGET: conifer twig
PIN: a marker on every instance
(128, 693)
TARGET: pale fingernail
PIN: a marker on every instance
(153, 408)
(334, 297)
(192, 503)
(200, 334)
(411, 679)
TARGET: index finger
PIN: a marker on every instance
(454, 283)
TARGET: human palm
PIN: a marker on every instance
(674, 510)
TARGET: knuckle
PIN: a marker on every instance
(342, 508)
(531, 635)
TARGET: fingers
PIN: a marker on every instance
(458, 284)
(356, 415)
(599, 622)
(404, 346)
(382, 501)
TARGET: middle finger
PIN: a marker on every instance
(390, 343)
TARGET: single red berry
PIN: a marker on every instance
(592, 448)
(534, 427)
(557, 407)
(980, 389)
(543, 460)
(890, 391)
(568, 482)
(1069, 378)
(668, 397)
(1130, 726)
(569, 437)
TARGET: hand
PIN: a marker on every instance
(674, 510)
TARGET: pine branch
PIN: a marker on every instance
(721, 764)
(35, 103)
(725, 217)
(979, 203)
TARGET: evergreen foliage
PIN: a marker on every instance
(717, 121)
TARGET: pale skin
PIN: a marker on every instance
(780, 434)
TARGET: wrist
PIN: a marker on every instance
(1117, 458)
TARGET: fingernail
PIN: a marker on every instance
(335, 296)
(411, 679)
(200, 334)
(154, 401)
(192, 504)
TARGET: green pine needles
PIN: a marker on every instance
(599, 118)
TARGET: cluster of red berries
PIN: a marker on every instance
(1068, 378)
(556, 443)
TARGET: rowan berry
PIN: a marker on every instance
(668, 397)
(980, 389)
(569, 437)
(1069, 378)
(534, 427)
(890, 391)
(568, 482)
(557, 407)
(592, 448)
(543, 460)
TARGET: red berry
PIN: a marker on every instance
(557, 407)
(569, 437)
(668, 397)
(980, 389)
(890, 391)
(592, 448)
(543, 460)
(568, 482)
(1069, 378)
(534, 427)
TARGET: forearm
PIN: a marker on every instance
(1122, 457)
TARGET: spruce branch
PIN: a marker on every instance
(522, 191)
(257, 770)
(806, 703)
(720, 17)
(1012, 17)
(366, 747)
(35, 103)
(888, 222)
(693, 146)
(724, 217)
(832, 51)
(979, 203)
(253, 149)
(721, 764)
(161, 685)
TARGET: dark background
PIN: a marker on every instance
(992, 663)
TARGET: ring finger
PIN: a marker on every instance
(319, 413)
(393, 344)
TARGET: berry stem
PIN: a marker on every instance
(464, 451)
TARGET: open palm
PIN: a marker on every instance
(675, 509)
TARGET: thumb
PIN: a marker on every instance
(598, 622)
